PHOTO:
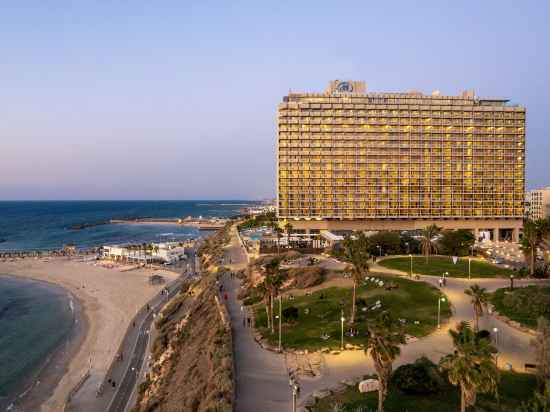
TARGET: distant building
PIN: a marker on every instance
(167, 252)
(538, 203)
(349, 159)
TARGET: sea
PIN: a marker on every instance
(35, 318)
(49, 225)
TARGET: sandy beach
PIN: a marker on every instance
(108, 298)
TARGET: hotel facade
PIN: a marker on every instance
(353, 160)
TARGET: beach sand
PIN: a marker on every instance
(109, 299)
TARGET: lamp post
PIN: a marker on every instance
(280, 322)
(439, 300)
(379, 250)
(495, 330)
(511, 282)
(469, 268)
(411, 272)
(295, 386)
(342, 319)
(408, 250)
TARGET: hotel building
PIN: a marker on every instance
(349, 159)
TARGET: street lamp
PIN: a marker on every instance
(379, 250)
(295, 386)
(511, 282)
(439, 300)
(411, 256)
(342, 319)
(469, 268)
(408, 250)
(280, 320)
(495, 330)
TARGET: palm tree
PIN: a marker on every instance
(427, 243)
(279, 233)
(479, 302)
(264, 289)
(534, 233)
(288, 228)
(471, 366)
(274, 282)
(357, 255)
(385, 334)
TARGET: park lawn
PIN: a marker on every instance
(514, 388)
(523, 305)
(412, 301)
(438, 265)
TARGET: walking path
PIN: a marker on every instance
(262, 378)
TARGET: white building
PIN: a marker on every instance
(166, 252)
(539, 203)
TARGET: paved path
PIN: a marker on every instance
(261, 376)
(262, 381)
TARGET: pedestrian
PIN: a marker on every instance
(225, 296)
(244, 322)
(248, 321)
(440, 282)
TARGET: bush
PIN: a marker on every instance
(418, 378)
(290, 314)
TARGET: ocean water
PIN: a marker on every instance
(34, 319)
(45, 225)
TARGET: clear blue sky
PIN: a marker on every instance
(177, 99)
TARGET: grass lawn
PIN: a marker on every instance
(412, 301)
(524, 304)
(437, 265)
(514, 388)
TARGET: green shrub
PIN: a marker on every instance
(290, 314)
(418, 378)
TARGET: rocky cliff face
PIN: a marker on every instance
(192, 356)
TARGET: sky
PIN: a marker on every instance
(178, 99)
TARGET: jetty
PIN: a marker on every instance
(199, 223)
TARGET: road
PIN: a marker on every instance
(133, 349)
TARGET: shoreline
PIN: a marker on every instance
(40, 384)
(107, 301)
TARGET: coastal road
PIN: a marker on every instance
(130, 377)
(114, 398)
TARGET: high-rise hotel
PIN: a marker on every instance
(349, 159)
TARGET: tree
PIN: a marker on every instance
(540, 401)
(385, 334)
(479, 302)
(274, 282)
(357, 255)
(471, 366)
(264, 289)
(278, 232)
(456, 242)
(541, 343)
(534, 233)
(427, 242)
(389, 242)
(288, 228)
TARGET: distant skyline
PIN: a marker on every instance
(178, 100)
